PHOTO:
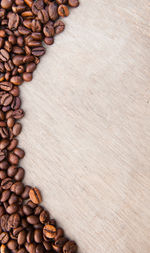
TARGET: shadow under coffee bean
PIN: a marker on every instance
(25, 25)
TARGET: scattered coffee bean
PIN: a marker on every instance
(35, 196)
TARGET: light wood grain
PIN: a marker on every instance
(87, 127)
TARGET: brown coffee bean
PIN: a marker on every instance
(19, 152)
(36, 25)
(63, 10)
(17, 80)
(25, 194)
(28, 58)
(30, 67)
(29, 2)
(4, 222)
(49, 231)
(13, 21)
(6, 4)
(37, 5)
(44, 217)
(32, 219)
(38, 51)
(18, 60)
(4, 237)
(35, 195)
(13, 208)
(6, 99)
(6, 86)
(13, 199)
(17, 129)
(5, 195)
(43, 16)
(14, 221)
(34, 43)
(49, 40)
(52, 10)
(27, 210)
(73, 3)
(27, 23)
(48, 30)
(18, 114)
(4, 132)
(8, 46)
(4, 165)
(12, 170)
(70, 247)
(17, 188)
(36, 36)
(9, 66)
(27, 76)
(59, 26)
(38, 236)
(6, 183)
(20, 174)
(15, 91)
(23, 30)
(12, 244)
(4, 55)
(12, 144)
(21, 237)
(20, 41)
(3, 174)
(13, 159)
(4, 143)
(16, 103)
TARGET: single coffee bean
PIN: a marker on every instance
(27, 76)
(38, 236)
(13, 159)
(13, 199)
(63, 10)
(36, 36)
(17, 129)
(43, 16)
(4, 55)
(13, 208)
(6, 99)
(32, 219)
(17, 80)
(6, 183)
(16, 103)
(49, 231)
(52, 10)
(6, 86)
(49, 40)
(4, 237)
(70, 247)
(30, 67)
(38, 51)
(8, 46)
(73, 3)
(17, 188)
(4, 143)
(48, 30)
(4, 222)
(13, 21)
(44, 217)
(12, 144)
(12, 244)
(28, 58)
(6, 4)
(36, 26)
(15, 91)
(59, 26)
(29, 2)
(18, 114)
(3, 174)
(25, 194)
(21, 237)
(18, 60)
(20, 174)
(14, 220)
(19, 152)
(35, 196)
(5, 195)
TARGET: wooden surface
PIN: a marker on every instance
(87, 127)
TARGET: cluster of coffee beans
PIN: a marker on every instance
(25, 25)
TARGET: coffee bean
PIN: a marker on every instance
(13, 208)
(4, 237)
(38, 236)
(21, 237)
(49, 231)
(37, 5)
(4, 143)
(25, 194)
(30, 67)
(13, 159)
(13, 21)
(35, 196)
(27, 76)
(44, 217)
(18, 60)
(5, 195)
(28, 58)
(32, 219)
(73, 3)
(20, 174)
(70, 247)
(52, 10)
(12, 244)
(48, 30)
(49, 40)
(6, 86)
(18, 114)
(36, 26)
(63, 10)
(6, 99)
(19, 152)
(38, 51)
(12, 144)
(14, 220)
(4, 55)
(17, 129)
(4, 222)
(6, 183)
(17, 80)
(6, 4)
(43, 16)
(17, 188)
(59, 26)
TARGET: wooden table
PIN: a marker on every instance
(87, 127)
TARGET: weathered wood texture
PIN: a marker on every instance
(87, 127)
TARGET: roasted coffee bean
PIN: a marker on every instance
(5, 195)
(13, 208)
(18, 114)
(37, 5)
(12, 171)
(12, 144)
(27, 210)
(30, 67)
(4, 237)
(25, 194)
(70, 247)
(16, 103)
(32, 219)
(52, 10)
(27, 76)
(13, 21)
(35, 196)
(18, 60)
(8, 46)
(73, 3)
(48, 30)
(38, 51)
(59, 26)
(29, 2)
(43, 16)
(14, 220)
(36, 26)
(28, 58)
(4, 222)
(21, 237)
(38, 236)
(3, 174)
(20, 174)
(17, 188)
(6, 4)
(19, 152)
(44, 217)
(12, 244)
(13, 159)
(4, 55)
(17, 80)
(6, 86)
(49, 231)
(6, 99)
(4, 143)
(6, 183)
(63, 10)
(13, 199)
(17, 129)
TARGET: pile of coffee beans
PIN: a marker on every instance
(25, 25)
